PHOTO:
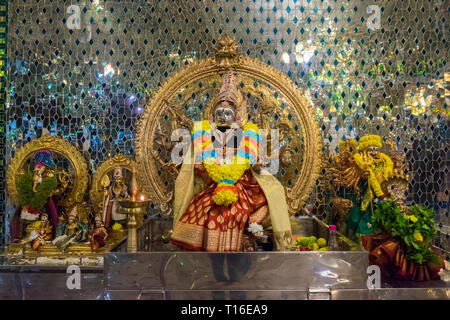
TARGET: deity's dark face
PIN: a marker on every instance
(224, 115)
(373, 151)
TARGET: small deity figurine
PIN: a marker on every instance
(42, 233)
(98, 234)
(111, 208)
(70, 231)
(35, 194)
(237, 194)
(377, 165)
(396, 189)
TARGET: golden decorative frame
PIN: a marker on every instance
(59, 146)
(226, 58)
(119, 160)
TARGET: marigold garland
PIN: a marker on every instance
(365, 142)
(228, 173)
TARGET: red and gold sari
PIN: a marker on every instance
(206, 226)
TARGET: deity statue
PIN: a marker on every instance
(111, 208)
(35, 194)
(398, 238)
(238, 194)
(42, 233)
(378, 168)
(70, 231)
(98, 234)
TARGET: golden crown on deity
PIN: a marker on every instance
(228, 92)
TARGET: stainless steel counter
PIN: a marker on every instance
(166, 273)
(185, 275)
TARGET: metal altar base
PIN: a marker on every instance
(120, 279)
(166, 273)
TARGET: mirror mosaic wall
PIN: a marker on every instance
(85, 69)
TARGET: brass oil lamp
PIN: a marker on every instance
(135, 208)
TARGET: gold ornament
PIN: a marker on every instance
(228, 92)
(226, 52)
(58, 146)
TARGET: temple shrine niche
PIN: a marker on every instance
(205, 151)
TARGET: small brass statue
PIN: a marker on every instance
(111, 208)
(98, 234)
(42, 233)
(70, 231)
(340, 209)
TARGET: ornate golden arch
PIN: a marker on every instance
(119, 160)
(226, 58)
(58, 146)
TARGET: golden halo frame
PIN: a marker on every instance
(226, 58)
(56, 145)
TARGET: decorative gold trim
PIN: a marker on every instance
(97, 189)
(210, 67)
(59, 146)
